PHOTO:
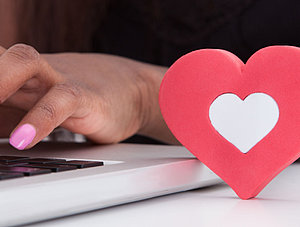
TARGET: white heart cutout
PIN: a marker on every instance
(244, 122)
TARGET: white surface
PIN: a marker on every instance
(244, 122)
(139, 172)
(277, 205)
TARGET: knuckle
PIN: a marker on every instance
(23, 53)
(69, 89)
(48, 111)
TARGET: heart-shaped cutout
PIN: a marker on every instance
(244, 122)
(195, 80)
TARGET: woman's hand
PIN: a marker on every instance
(104, 97)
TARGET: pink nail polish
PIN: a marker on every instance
(22, 136)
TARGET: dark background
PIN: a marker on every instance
(161, 31)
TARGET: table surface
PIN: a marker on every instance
(277, 205)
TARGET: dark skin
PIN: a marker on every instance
(106, 98)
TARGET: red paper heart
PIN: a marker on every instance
(195, 80)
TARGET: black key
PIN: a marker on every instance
(44, 160)
(52, 167)
(25, 170)
(11, 164)
(12, 158)
(81, 164)
(4, 176)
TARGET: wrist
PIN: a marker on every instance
(153, 124)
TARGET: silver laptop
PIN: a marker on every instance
(130, 172)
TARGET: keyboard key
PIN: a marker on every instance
(52, 167)
(81, 164)
(44, 160)
(19, 166)
(12, 158)
(11, 164)
(25, 170)
(4, 176)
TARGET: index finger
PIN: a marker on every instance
(20, 63)
(2, 50)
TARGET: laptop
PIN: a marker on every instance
(104, 176)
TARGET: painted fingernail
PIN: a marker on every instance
(22, 136)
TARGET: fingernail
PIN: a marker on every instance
(22, 136)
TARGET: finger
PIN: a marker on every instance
(61, 101)
(2, 50)
(17, 65)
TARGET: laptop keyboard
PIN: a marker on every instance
(17, 166)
